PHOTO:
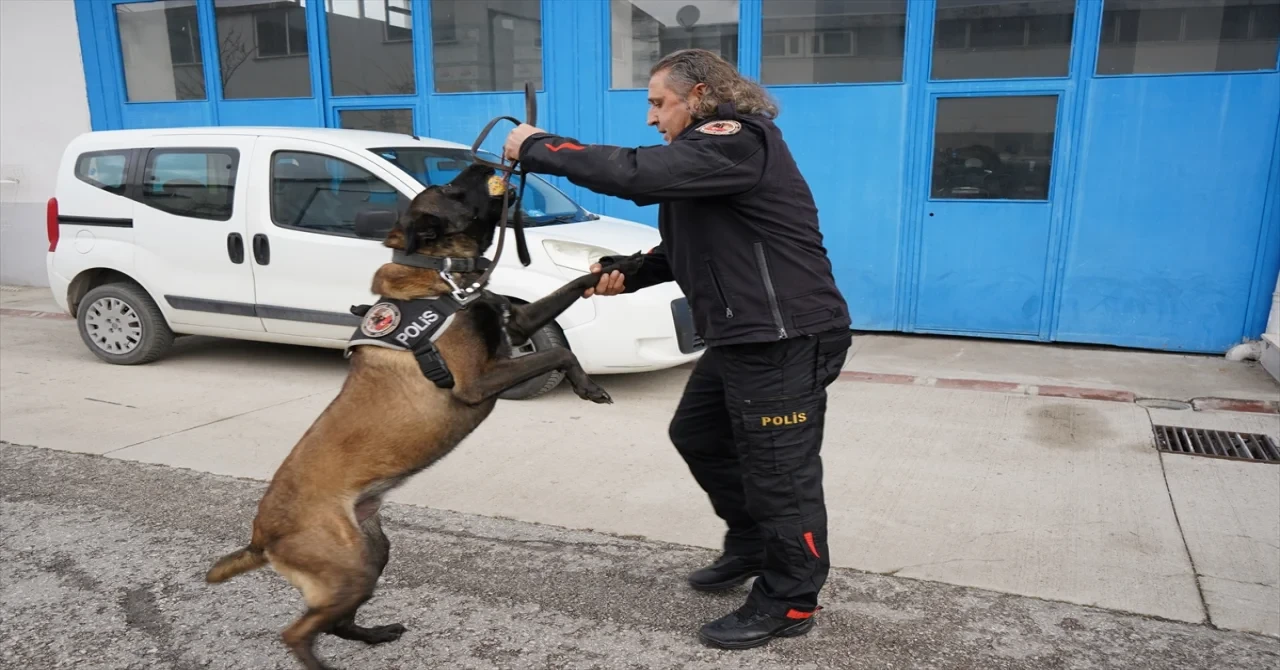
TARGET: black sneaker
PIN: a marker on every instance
(727, 572)
(747, 628)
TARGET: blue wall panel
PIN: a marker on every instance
(848, 142)
(624, 125)
(305, 112)
(1168, 210)
(166, 114)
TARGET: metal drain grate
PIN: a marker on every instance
(1252, 447)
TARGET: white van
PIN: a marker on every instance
(251, 233)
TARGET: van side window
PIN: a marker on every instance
(196, 183)
(323, 194)
(108, 171)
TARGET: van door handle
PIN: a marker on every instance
(235, 248)
(261, 249)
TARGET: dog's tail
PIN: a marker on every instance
(244, 560)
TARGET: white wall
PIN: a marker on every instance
(43, 105)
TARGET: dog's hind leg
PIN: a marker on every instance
(334, 579)
(379, 551)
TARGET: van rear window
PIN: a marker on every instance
(105, 170)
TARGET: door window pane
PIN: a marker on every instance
(1002, 39)
(195, 183)
(262, 48)
(370, 47)
(643, 31)
(826, 42)
(388, 120)
(486, 45)
(323, 194)
(1161, 37)
(997, 148)
(160, 47)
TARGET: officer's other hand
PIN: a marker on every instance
(515, 140)
(610, 284)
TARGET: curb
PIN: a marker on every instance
(1055, 391)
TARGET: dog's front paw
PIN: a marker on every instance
(628, 265)
(595, 394)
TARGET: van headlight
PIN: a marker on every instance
(575, 255)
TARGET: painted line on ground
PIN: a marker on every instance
(35, 314)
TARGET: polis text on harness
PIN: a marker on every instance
(414, 325)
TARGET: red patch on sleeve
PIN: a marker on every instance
(565, 145)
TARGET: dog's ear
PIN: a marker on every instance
(422, 230)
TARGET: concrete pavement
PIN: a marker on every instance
(101, 563)
(1050, 497)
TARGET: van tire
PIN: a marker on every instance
(547, 337)
(156, 337)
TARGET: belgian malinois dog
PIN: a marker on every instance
(318, 523)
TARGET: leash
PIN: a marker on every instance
(517, 222)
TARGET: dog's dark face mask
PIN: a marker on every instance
(470, 205)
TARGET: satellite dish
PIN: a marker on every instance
(687, 16)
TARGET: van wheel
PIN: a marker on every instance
(547, 337)
(122, 325)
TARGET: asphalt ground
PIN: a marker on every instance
(101, 566)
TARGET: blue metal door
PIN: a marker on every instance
(988, 166)
(984, 235)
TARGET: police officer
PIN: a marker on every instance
(740, 237)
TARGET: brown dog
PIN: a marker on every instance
(318, 523)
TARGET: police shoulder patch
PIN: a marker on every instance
(381, 319)
(721, 128)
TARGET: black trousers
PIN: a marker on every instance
(749, 426)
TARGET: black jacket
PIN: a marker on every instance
(738, 222)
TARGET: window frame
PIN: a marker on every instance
(935, 102)
(1078, 10)
(145, 160)
(271, 200)
(1113, 39)
(814, 37)
(388, 10)
(288, 36)
(747, 24)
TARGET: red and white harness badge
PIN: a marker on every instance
(381, 319)
(721, 128)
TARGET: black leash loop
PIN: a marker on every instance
(517, 224)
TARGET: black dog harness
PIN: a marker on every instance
(414, 325)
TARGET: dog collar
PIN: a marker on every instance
(441, 263)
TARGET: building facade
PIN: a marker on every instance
(1092, 171)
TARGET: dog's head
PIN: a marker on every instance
(454, 219)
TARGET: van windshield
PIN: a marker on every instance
(544, 204)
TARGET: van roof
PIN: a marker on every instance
(358, 139)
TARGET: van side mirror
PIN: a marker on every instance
(374, 224)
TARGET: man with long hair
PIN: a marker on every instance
(740, 237)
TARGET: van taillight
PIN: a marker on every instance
(51, 222)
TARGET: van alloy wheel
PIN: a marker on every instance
(121, 324)
(113, 325)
